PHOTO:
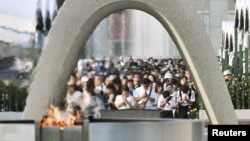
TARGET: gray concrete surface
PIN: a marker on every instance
(11, 115)
(77, 19)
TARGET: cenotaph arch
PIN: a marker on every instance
(77, 19)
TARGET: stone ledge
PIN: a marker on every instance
(242, 116)
(130, 113)
(11, 115)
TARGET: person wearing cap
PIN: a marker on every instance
(168, 79)
(227, 75)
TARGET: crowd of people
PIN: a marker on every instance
(129, 83)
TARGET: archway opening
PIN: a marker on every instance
(140, 36)
(130, 32)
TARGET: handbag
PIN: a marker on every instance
(143, 104)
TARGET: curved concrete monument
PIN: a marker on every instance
(77, 19)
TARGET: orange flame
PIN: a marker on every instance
(55, 118)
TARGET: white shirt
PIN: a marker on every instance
(73, 100)
(130, 99)
(183, 95)
(91, 105)
(167, 106)
(76, 98)
(80, 65)
(140, 91)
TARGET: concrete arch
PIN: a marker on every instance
(76, 21)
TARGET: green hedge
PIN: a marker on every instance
(12, 98)
(239, 90)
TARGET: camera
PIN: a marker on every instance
(166, 94)
(169, 98)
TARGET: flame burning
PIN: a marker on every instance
(57, 118)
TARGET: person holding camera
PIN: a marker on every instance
(166, 103)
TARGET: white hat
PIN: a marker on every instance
(91, 73)
(84, 79)
(168, 75)
(112, 77)
(177, 75)
(227, 72)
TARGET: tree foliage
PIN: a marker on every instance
(12, 98)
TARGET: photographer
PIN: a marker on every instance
(166, 104)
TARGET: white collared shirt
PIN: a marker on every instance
(119, 99)
(167, 106)
(183, 95)
(140, 91)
